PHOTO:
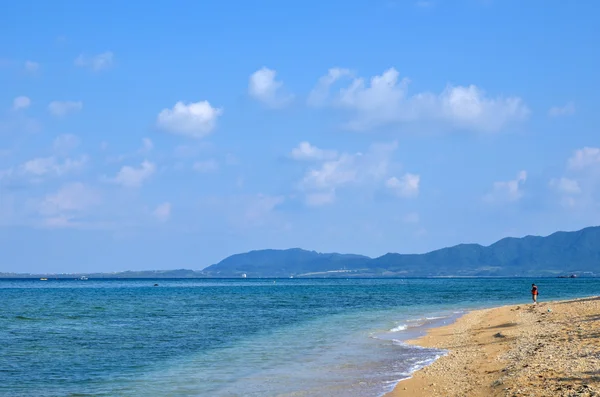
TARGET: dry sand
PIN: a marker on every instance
(550, 349)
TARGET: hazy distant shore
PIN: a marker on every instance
(545, 350)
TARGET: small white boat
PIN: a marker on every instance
(83, 278)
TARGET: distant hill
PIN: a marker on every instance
(560, 253)
(284, 263)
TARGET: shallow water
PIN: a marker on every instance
(291, 337)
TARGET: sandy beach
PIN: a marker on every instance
(548, 349)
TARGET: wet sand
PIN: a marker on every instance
(549, 349)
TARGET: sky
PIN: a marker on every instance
(172, 134)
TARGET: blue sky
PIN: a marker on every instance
(176, 134)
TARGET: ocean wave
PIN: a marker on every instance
(436, 317)
(399, 328)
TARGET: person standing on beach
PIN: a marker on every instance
(534, 293)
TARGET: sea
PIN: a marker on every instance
(235, 337)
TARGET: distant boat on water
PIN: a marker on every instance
(83, 278)
(43, 279)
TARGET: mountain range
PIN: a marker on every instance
(557, 254)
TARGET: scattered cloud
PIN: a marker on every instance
(565, 185)
(406, 186)
(31, 67)
(206, 166)
(65, 143)
(385, 100)
(566, 110)
(333, 173)
(52, 166)
(162, 212)
(321, 183)
(579, 190)
(306, 151)
(507, 191)
(146, 147)
(319, 95)
(65, 207)
(71, 197)
(132, 177)
(21, 102)
(584, 158)
(95, 62)
(265, 88)
(194, 120)
(63, 108)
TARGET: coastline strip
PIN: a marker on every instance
(549, 349)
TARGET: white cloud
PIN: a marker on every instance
(134, 177)
(579, 190)
(31, 66)
(321, 183)
(63, 208)
(566, 185)
(195, 120)
(507, 191)
(333, 173)
(584, 158)
(385, 100)
(162, 212)
(319, 94)
(406, 186)
(21, 102)
(72, 197)
(206, 166)
(65, 143)
(51, 166)
(62, 108)
(306, 151)
(96, 62)
(566, 110)
(263, 87)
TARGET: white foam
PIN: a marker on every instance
(399, 328)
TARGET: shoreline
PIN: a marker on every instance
(548, 349)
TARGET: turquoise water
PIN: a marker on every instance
(247, 337)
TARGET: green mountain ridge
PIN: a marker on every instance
(560, 253)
